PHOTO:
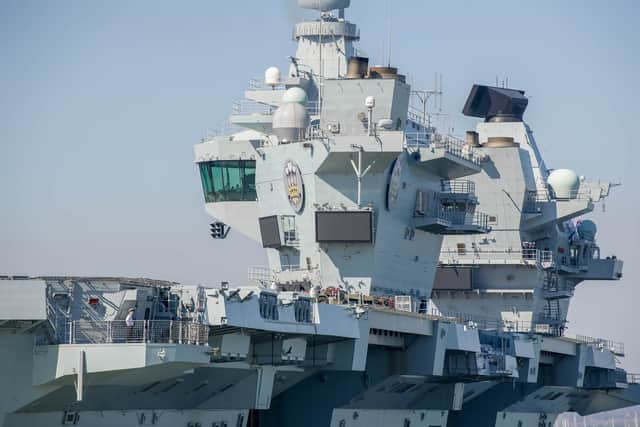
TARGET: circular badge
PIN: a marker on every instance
(394, 183)
(293, 185)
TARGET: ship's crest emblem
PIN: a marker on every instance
(293, 185)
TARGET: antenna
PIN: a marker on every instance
(440, 92)
(384, 52)
(321, 76)
(423, 97)
(388, 34)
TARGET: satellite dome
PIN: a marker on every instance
(272, 76)
(386, 124)
(369, 102)
(290, 122)
(563, 183)
(295, 94)
(324, 5)
(587, 230)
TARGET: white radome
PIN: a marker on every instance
(272, 76)
(587, 229)
(386, 124)
(564, 183)
(290, 121)
(295, 94)
(370, 102)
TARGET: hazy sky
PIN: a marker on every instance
(101, 102)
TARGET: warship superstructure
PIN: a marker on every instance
(413, 278)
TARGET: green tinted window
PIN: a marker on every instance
(228, 180)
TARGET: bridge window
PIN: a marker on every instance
(228, 180)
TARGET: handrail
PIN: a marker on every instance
(417, 116)
(248, 106)
(633, 378)
(579, 194)
(149, 331)
(260, 275)
(533, 255)
(458, 186)
(420, 308)
(613, 346)
(326, 28)
(479, 219)
(258, 83)
(452, 145)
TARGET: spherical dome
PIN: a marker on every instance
(386, 124)
(587, 229)
(290, 121)
(295, 94)
(324, 5)
(291, 115)
(564, 183)
(272, 76)
(369, 102)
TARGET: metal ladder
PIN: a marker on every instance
(552, 312)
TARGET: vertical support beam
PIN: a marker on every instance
(80, 376)
(264, 386)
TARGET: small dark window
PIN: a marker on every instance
(268, 304)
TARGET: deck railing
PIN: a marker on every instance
(422, 307)
(458, 186)
(633, 378)
(613, 346)
(484, 323)
(453, 146)
(462, 256)
(260, 275)
(461, 218)
(142, 331)
(248, 106)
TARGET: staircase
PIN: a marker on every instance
(554, 290)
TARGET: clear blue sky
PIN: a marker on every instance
(101, 102)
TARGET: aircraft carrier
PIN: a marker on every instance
(413, 278)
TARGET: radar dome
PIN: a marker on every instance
(563, 183)
(324, 5)
(587, 230)
(295, 94)
(369, 102)
(272, 76)
(290, 122)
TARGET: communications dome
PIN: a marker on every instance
(272, 76)
(290, 121)
(563, 183)
(587, 230)
(295, 94)
(324, 5)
